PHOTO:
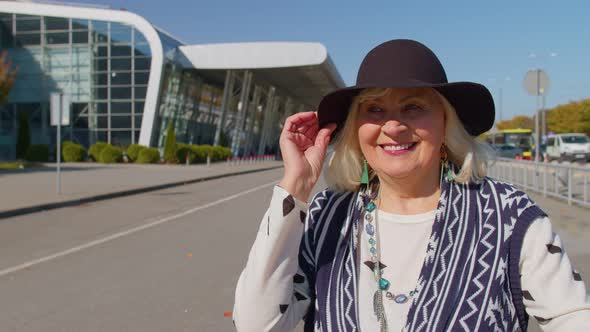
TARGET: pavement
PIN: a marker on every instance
(35, 189)
(158, 260)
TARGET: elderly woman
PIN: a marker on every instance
(411, 234)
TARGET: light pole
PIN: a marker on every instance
(500, 102)
(539, 63)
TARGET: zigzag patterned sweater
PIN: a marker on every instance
(308, 263)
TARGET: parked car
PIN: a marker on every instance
(507, 151)
(571, 146)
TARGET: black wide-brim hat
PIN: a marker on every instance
(403, 63)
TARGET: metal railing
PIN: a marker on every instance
(565, 181)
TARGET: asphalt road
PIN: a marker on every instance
(162, 261)
(95, 269)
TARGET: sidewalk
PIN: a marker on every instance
(34, 189)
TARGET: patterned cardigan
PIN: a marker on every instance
(469, 280)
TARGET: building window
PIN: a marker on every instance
(26, 23)
(121, 108)
(142, 63)
(101, 108)
(140, 92)
(101, 79)
(121, 35)
(120, 50)
(142, 49)
(56, 23)
(79, 24)
(102, 122)
(121, 93)
(80, 37)
(121, 121)
(121, 138)
(120, 78)
(121, 64)
(141, 78)
(57, 38)
(81, 122)
(28, 39)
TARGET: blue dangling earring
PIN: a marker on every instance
(365, 176)
(444, 165)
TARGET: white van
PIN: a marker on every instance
(568, 147)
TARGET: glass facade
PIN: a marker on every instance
(104, 67)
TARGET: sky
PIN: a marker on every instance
(493, 43)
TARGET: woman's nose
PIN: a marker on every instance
(393, 128)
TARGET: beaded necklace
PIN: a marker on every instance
(369, 212)
(370, 216)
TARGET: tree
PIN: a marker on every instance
(170, 145)
(519, 121)
(6, 77)
(573, 117)
(23, 140)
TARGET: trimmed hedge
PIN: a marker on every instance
(222, 152)
(148, 156)
(73, 153)
(37, 152)
(96, 149)
(111, 154)
(184, 150)
(133, 151)
(200, 153)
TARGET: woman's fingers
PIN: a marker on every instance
(323, 137)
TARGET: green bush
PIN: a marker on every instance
(209, 151)
(182, 151)
(37, 152)
(111, 154)
(96, 149)
(148, 156)
(63, 146)
(170, 145)
(222, 153)
(73, 153)
(133, 151)
(200, 153)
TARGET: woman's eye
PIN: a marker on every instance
(413, 107)
(374, 109)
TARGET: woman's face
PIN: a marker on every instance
(400, 134)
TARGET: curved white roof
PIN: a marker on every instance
(302, 70)
(257, 55)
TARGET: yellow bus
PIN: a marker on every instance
(520, 138)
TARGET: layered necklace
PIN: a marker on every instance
(369, 214)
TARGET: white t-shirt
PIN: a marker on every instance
(402, 247)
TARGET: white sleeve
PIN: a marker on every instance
(553, 291)
(272, 294)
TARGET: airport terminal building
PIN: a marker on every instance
(127, 80)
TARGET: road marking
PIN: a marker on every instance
(130, 231)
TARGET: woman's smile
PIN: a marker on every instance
(398, 149)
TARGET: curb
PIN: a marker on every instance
(102, 197)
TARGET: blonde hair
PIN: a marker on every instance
(346, 164)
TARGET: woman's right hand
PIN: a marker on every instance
(303, 147)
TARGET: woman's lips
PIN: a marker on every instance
(399, 149)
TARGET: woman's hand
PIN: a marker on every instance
(303, 147)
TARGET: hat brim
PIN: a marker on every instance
(473, 103)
